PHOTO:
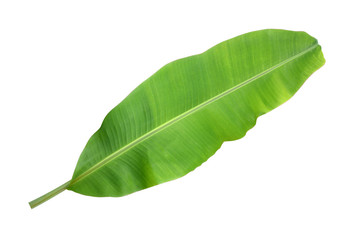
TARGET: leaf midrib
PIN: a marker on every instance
(183, 115)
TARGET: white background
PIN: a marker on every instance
(65, 64)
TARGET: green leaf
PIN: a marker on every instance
(180, 116)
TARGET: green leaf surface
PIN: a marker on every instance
(179, 117)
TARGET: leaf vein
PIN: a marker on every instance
(183, 115)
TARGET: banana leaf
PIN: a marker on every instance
(180, 116)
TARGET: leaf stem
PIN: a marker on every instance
(49, 195)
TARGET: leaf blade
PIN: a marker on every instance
(147, 163)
